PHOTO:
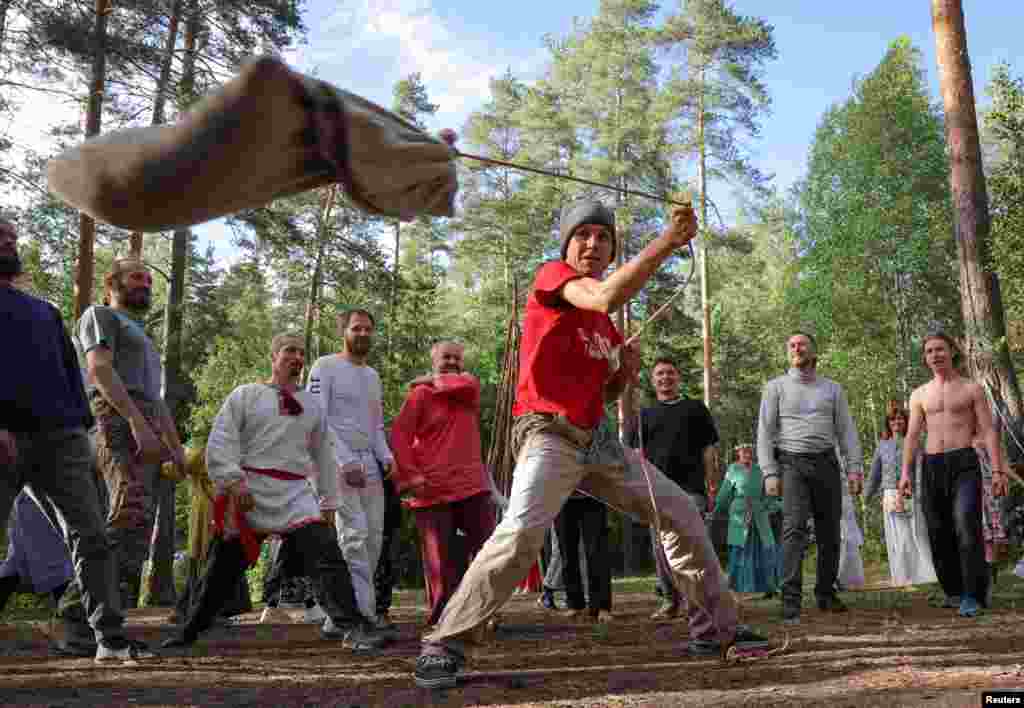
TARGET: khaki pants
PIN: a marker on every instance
(548, 469)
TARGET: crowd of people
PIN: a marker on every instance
(314, 470)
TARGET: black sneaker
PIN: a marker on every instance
(122, 650)
(437, 671)
(547, 600)
(358, 638)
(72, 648)
(831, 603)
(704, 647)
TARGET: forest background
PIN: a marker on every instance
(655, 98)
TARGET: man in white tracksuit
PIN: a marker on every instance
(350, 392)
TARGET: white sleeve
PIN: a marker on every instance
(326, 481)
(224, 447)
(320, 384)
(380, 443)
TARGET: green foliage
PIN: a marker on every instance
(1005, 129)
(876, 266)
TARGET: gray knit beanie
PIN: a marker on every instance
(584, 211)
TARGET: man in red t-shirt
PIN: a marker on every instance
(436, 441)
(572, 361)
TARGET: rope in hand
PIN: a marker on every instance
(449, 136)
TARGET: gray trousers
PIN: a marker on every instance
(59, 465)
(812, 486)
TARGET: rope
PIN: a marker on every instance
(548, 173)
(1007, 426)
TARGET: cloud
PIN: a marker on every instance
(366, 47)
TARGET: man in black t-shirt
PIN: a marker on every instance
(678, 436)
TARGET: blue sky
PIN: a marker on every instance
(365, 46)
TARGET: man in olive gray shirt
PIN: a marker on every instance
(134, 428)
(803, 418)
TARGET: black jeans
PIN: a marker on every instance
(310, 550)
(812, 486)
(589, 518)
(238, 603)
(384, 575)
(951, 499)
(59, 465)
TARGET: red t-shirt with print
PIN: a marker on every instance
(564, 354)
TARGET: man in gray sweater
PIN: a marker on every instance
(803, 417)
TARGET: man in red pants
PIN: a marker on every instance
(436, 442)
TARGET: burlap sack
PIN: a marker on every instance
(268, 133)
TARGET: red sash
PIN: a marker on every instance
(250, 541)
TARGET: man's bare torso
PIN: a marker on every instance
(948, 408)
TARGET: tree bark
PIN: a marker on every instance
(160, 101)
(313, 301)
(705, 303)
(93, 122)
(161, 576)
(985, 343)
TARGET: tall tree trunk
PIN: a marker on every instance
(313, 301)
(161, 576)
(93, 122)
(705, 303)
(987, 352)
(160, 101)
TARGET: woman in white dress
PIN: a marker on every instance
(906, 539)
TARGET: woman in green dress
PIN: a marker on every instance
(753, 553)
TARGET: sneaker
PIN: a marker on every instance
(275, 615)
(123, 650)
(383, 626)
(356, 637)
(668, 610)
(73, 648)
(831, 603)
(968, 606)
(790, 614)
(178, 641)
(704, 647)
(437, 671)
(951, 601)
(314, 615)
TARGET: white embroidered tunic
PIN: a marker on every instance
(251, 433)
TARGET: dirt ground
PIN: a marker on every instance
(892, 649)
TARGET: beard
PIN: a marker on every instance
(360, 346)
(10, 266)
(138, 299)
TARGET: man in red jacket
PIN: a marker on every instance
(436, 441)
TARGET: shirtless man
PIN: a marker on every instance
(954, 411)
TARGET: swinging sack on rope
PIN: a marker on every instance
(268, 133)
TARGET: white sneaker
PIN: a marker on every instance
(315, 615)
(275, 615)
